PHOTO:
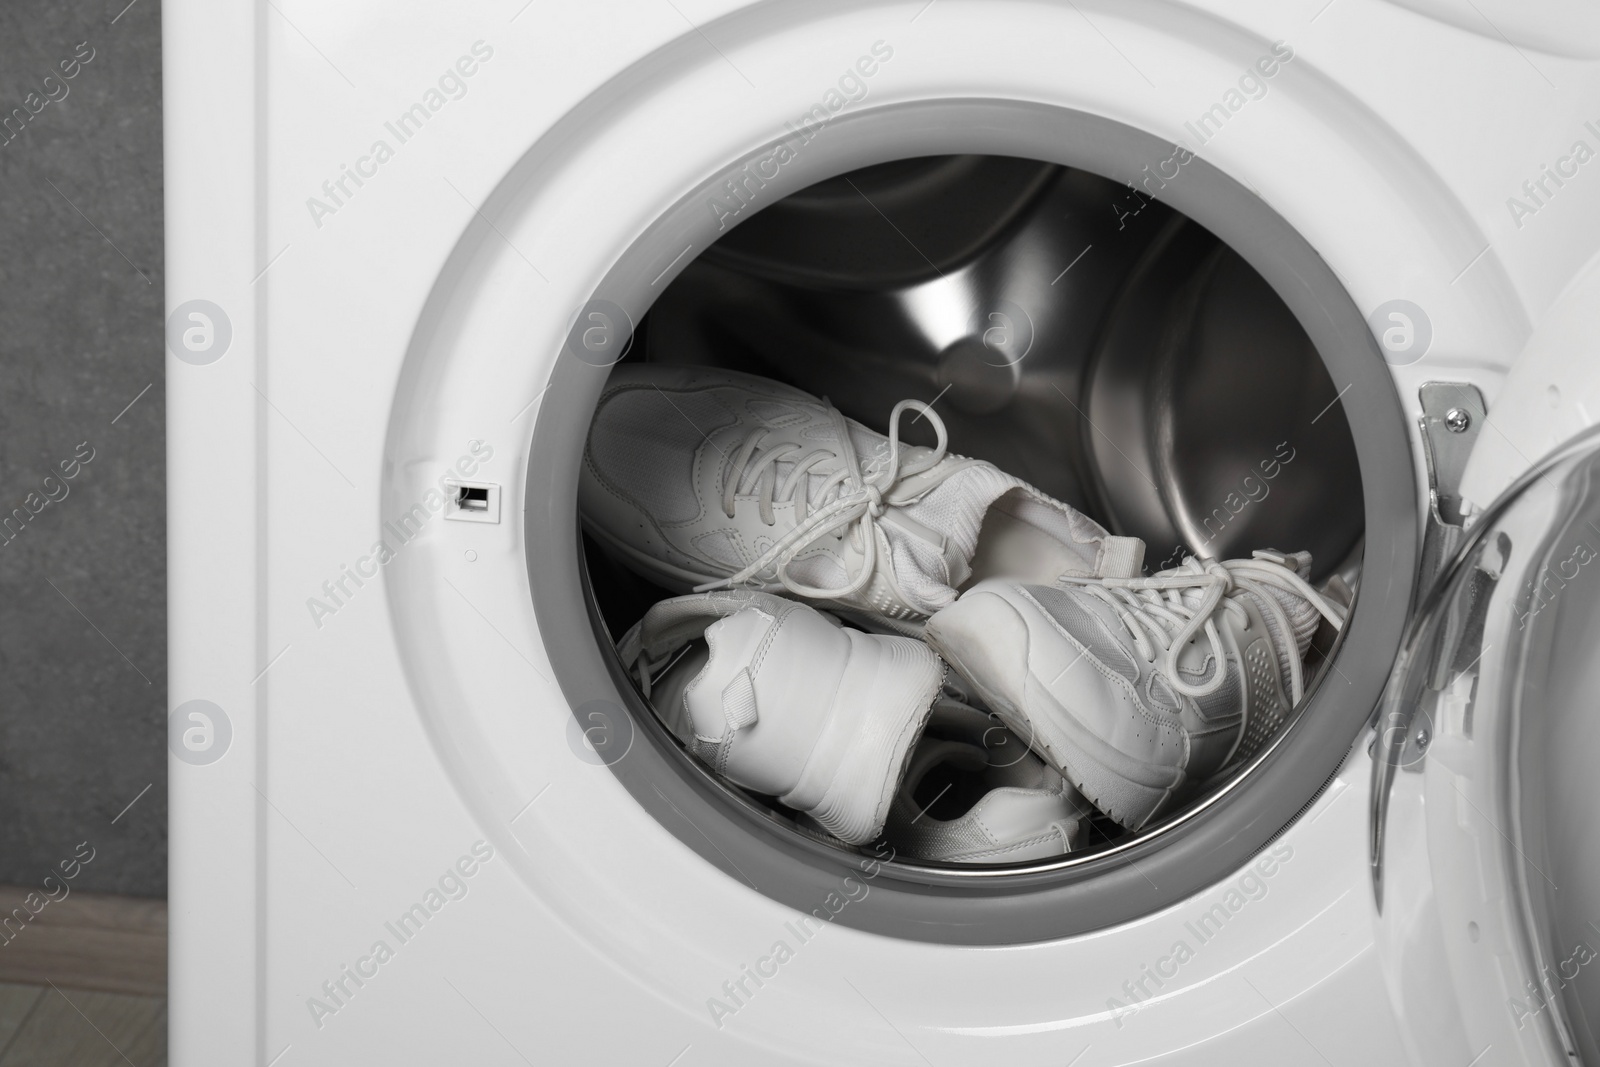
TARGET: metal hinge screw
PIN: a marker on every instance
(1457, 420)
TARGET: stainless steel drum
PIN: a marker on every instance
(1160, 364)
(1069, 329)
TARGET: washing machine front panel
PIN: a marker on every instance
(379, 741)
(482, 316)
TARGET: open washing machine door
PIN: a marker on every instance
(1486, 866)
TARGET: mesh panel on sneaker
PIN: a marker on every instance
(926, 837)
(1222, 704)
(957, 506)
(644, 443)
(1302, 614)
(1303, 617)
(1086, 627)
(870, 445)
(921, 572)
(1286, 644)
(818, 569)
(1159, 692)
(1267, 712)
(720, 545)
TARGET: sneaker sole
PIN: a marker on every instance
(985, 638)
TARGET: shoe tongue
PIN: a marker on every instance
(932, 550)
(1191, 599)
(871, 451)
(1170, 625)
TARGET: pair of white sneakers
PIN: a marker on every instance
(765, 504)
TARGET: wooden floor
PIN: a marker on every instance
(54, 1027)
(83, 982)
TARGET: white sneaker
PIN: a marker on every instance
(703, 478)
(1136, 689)
(786, 702)
(974, 793)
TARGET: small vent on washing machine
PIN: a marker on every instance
(473, 502)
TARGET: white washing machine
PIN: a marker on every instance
(1253, 272)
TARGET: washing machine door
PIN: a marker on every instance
(1486, 855)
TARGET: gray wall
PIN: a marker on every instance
(82, 586)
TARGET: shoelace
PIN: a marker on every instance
(856, 502)
(1153, 608)
(647, 670)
